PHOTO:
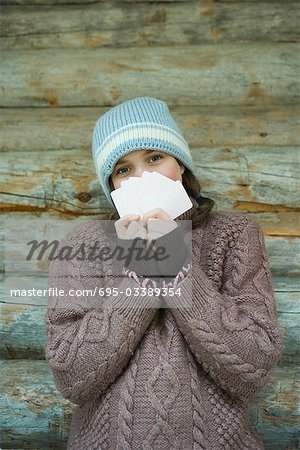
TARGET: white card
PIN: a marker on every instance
(131, 187)
(171, 198)
(124, 197)
(151, 190)
(119, 198)
(138, 195)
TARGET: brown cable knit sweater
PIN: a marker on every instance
(150, 373)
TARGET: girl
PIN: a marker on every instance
(168, 354)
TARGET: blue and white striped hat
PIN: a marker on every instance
(141, 123)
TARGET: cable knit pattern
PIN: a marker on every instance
(162, 402)
(125, 418)
(198, 413)
(93, 427)
(181, 376)
(229, 419)
(222, 341)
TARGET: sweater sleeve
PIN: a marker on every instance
(90, 339)
(233, 331)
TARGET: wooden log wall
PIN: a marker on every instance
(229, 71)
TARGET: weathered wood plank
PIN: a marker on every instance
(23, 333)
(280, 224)
(283, 255)
(62, 2)
(227, 74)
(128, 24)
(39, 417)
(273, 222)
(236, 178)
(32, 413)
(283, 284)
(71, 128)
(277, 398)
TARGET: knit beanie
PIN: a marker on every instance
(139, 124)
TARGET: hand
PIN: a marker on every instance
(158, 223)
(130, 227)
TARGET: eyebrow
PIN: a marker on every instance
(122, 161)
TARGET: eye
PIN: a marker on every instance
(119, 171)
(155, 156)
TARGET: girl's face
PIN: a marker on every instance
(134, 163)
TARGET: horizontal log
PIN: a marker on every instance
(62, 2)
(283, 255)
(284, 284)
(214, 75)
(33, 414)
(23, 333)
(273, 222)
(71, 128)
(39, 417)
(236, 178)
(112, 24)
(268, 416)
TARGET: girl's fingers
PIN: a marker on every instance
(132, 229)
(122, 223)
(130, 226)
(156, 213)
(129, 217)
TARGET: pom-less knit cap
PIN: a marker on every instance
(143, 123)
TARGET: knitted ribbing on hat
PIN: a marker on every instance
(141, 123)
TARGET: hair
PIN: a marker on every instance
(192, 187)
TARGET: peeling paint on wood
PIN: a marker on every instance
(162, 69)
(70, 129)
(37, 416)
(67, 182)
